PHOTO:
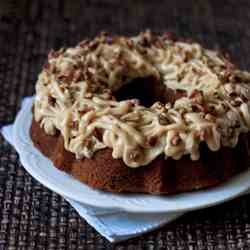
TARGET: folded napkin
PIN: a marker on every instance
(114, 224)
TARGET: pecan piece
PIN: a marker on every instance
(51, 100)
(197, 96)
(77, 76)
(135, 155)
(152, 141)
(176, 140)
(53, 54)
(163, 119)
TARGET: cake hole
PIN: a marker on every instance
(148, 91)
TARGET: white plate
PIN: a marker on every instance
(42, 169)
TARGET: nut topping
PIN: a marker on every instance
(176, 140)
(204, 98)
(163, 119)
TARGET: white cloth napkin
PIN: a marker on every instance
(115, 225)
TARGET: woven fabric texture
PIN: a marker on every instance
(33, 217)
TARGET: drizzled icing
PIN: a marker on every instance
(74, 96)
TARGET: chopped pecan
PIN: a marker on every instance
(93, 45)
(74, 124)
(211, 109)
(98, 133)
(146, 38)
(236, 102)
(53, 54)
(130, 43)
(179, 93)
(65, 76)
(88, 142)
(224, 76)
(50, 68)
(244, 98)
(85, 110)
(210, 117)
(152, 141)
(159, 44)
(123, 63)
(233, 94)
(176, 140)
(78, 75)
(188, 56)
(135, 155)
(197, 95)
(163, 119)
(158, 106)
(51, 100)
(197, 108)
(107, 94)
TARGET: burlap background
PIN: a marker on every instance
(32, 217)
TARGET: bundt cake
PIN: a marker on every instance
(148, 114)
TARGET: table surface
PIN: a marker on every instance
(33, 217)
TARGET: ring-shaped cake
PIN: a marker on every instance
(144, 114)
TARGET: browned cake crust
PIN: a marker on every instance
(159, 177)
